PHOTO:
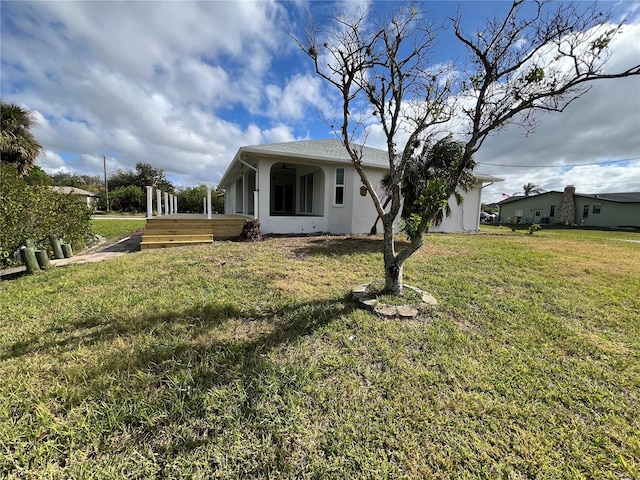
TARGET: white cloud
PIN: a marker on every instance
(183, 85)
(300, 92)
(52, 162)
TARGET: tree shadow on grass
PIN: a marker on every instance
(94, 329)
(163, 384)
(338, 246)
(255, 382)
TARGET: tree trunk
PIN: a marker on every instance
(393, 278)
(392, 268)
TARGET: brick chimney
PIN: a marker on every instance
(567, 212)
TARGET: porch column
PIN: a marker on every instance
(208, 203)
(159, 202)
(255, 204)
(171, 210)
(204, 205)
(245, 193)
(149, 201)
(175, 203)
(166, 203)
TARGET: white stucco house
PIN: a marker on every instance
(90, 198)
(311, 186)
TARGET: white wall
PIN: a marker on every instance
(364, 212)
(464, 217)
(358, 213)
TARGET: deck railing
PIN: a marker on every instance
(170, 205)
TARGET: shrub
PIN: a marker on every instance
(534, 227)
(127, 199)
(34, 211)
(190, 199)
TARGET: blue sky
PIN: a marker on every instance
(183, 85)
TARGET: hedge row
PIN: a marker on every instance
(30, 210)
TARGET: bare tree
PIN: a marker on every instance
(387, 72)
(540, 56)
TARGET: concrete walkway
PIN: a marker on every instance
(97, 254)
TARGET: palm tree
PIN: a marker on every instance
(17, 143)
(531, 189)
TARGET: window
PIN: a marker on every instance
(283, 199)
(596, 208)
(552, 211)
(339, 196)
(585, 211)
(306, 193)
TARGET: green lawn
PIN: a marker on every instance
(247, 360)
(113, 229)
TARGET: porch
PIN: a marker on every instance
(179, 229)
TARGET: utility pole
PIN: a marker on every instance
(106, 185)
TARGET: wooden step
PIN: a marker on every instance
(219, 227)
(190, 231)
(178, 226)
(177, 238)
(175, 243)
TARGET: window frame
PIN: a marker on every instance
(306, 193)
(339, 187)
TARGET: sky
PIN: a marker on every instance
(184, 85)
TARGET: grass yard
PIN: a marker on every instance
(113, 229)
(243, 360)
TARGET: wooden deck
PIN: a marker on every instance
(190, 229)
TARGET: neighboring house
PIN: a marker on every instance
(89, 198)
(571, 208)
(311, 186)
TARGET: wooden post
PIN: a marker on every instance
(28, 256)
(149, 201)
(106, 184)
(158, 203)
(43, 259)
(208, 203)
(56, 246)
(66, 250)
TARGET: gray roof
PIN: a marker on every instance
(327, 150)
(627, 197)
(77, 191)
(330, 149)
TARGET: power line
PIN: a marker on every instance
(605, 162)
